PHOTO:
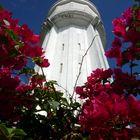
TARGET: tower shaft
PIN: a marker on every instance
(73, 38)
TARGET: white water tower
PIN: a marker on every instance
(73, 39)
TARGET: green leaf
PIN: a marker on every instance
(75, 105)
(12, 35)
(135, 7)
(54, 104)
(14, 53)
(125, 61)
(138, 29)
(46, 106)
(138, 45)
(124, 55)
(137, 56)
(51, 82)
(9, 133)
(59, 94)
(64, 101)
(3, 131)
(27, 71)
(29, 139)
(18, 132)
(1, 7)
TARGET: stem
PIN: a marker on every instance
(82, 63)
(54, 91)
(131, 67)
(66, 91)
(43, 73)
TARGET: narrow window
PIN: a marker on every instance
(79, 46)
(63, 46)
(61, 67)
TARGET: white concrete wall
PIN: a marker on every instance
(65, 48)
(74, 24)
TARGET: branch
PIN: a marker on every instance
(66, 91)
(82, 64)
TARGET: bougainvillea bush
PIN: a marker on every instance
(32, 109)
(111, 110)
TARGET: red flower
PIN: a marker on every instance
(23, 88)
(132, 35)
(5, 73)
(134, 109)
(96, 83)
(109, 115)
(31, 51)
(115, 51)
(100, 74)
(124, 83)
(9, 82)
(37, 80)
(44, 63)
(132, 52)
(25, 33)
(80, 91)
(119, 27)
(19, 62)
(35, 39)
(128, 15)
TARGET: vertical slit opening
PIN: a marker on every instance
(61, 67)
(79, 46)
(63, 46)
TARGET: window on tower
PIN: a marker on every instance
(79, 46)
(63, 46)
(61, 67)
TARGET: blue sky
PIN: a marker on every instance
(33, 12)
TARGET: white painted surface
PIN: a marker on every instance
(73, 27)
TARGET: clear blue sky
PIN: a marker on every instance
(33, 12)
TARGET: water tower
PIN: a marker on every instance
(73, 39)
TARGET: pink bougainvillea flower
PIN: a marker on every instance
(44, 63)
(115, 51)
(35, 39)
(96, 83)
(80, 91)
(124, 82)
(117, 43)
(18, 46)
(23, 88)
(19, 62)
(25, 33)
(119, 27)
(132, 35)
(128, 15)
(100, 74)
(31, 51)
(134, 107)
(103, 116)
(132, 52)
(11, 84)
(37, 80)
(4, 14)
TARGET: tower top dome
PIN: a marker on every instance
(75, 5)
(74, 12)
